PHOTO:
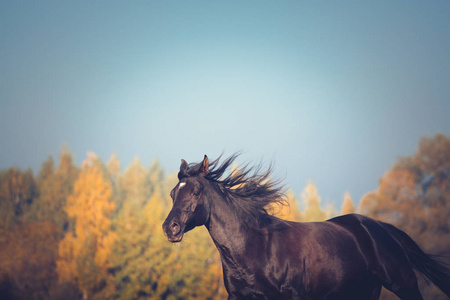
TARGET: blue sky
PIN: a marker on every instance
(330, 91)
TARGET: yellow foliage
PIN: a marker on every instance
(291, 211)
(347, 206)
(311, 199)
(90, 241)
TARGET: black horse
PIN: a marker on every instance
(263, 257)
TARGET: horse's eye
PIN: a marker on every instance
(196, 193)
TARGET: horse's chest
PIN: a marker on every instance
(260, 284)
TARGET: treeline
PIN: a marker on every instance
(94, 232)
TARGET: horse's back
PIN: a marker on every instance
(379, 246)
(334, 258)
(372, 235)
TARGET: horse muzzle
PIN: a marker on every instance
(173, 231)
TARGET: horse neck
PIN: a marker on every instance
(225, 227)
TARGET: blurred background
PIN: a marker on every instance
(99, 101)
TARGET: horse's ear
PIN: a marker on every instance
(184, 165)
(205, 166)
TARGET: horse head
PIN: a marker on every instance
(190, 205)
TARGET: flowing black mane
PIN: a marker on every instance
(249, 190)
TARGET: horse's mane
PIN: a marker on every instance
(250, 191)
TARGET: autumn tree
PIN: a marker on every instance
(156, 180)
(41, 208)
(347, 205)
(84, 252)
(46, 172)
(54, 188)
(113, 167)
(141, 247)
(27, 261)
(147, 265)
(415, 196)
(131, 224)
(311, 200)
(18, 189)
(290, 211)
(134, 184)
(66, 173)
(193, 268)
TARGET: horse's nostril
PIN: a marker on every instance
(175, 228)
